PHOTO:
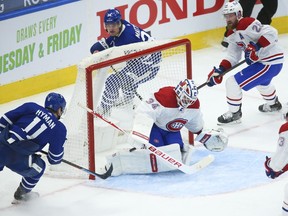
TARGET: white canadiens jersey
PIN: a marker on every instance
(162, 107)
(280, 157)
(251, 30)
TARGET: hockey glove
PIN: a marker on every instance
(213, 76)
(270, 172)
(250, 53)
(99, 46)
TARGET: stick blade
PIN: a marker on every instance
(201, 164)
(106, 174)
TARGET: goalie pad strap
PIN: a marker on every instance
(153, 162)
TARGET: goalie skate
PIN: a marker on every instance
(230, 118)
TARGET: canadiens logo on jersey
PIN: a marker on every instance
(176, 124)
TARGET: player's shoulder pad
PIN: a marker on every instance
(166, 96)
(63, 127)
(31, 106)
(244, 23)
(125, 22)
(283, 128)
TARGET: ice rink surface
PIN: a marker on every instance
(235, 184)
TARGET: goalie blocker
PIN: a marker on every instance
(141, 161)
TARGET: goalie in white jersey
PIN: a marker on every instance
(171, 109)
(262, 54)
(277, 164)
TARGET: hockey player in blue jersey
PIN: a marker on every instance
(26, 130)
(136, 71)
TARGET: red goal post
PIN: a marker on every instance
(176, 64)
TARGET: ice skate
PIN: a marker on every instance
(229, 117)
(270, 108)
(21, 195)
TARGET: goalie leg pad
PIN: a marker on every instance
(116, 162)
(141, 161)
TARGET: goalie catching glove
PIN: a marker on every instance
(213, 140)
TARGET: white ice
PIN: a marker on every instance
(235, 184)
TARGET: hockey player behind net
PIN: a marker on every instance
(277, 164)
(262, 54)
(170, 109)
(135, 72)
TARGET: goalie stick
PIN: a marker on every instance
(225, 72)
(102, 176)
(202, 163)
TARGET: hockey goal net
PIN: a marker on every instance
(113, 82)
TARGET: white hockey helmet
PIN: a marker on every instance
(186, 93)
(233, 7)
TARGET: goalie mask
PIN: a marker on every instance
(213, 140)
(186, 93)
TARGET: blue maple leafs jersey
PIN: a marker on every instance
(33, 122)
(129, 34)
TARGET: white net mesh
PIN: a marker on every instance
(117, 90)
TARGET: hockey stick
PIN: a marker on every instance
(102, 176)
(156, 151)
(221, 75)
